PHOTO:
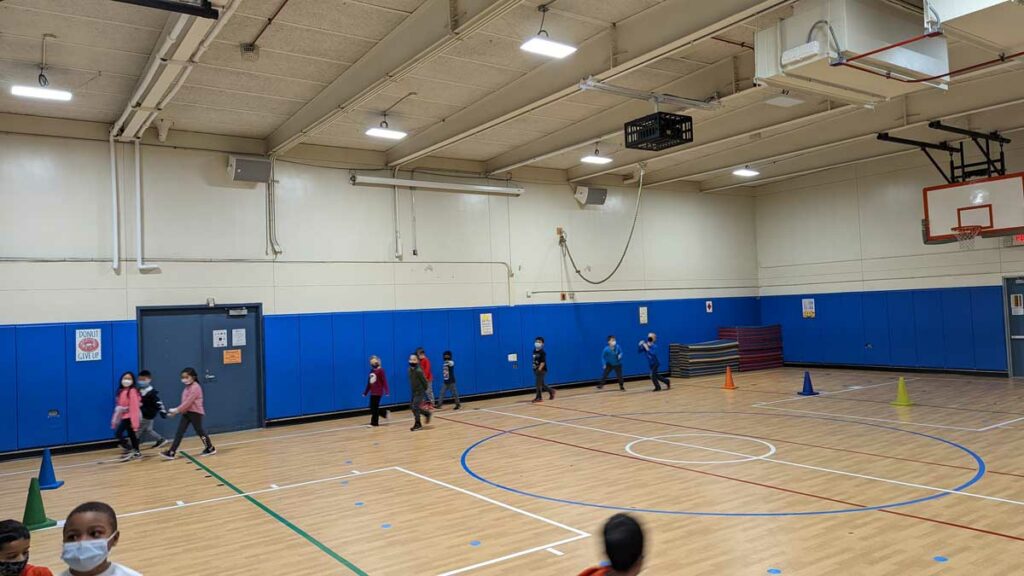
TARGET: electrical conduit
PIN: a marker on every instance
(139, 262)
(115, 258)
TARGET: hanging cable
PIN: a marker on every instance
(566, 252)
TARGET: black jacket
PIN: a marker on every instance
(151, 404)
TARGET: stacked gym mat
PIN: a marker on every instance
(702, 358)
(759, 346)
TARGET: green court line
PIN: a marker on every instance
(323, 547)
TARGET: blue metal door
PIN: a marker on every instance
(1015, 323)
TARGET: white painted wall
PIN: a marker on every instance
(859, 228)
(55, 204)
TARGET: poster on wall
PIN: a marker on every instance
(1017, 304)
(643, 315)
(808, 305)
(220, 338)
(88, 345)
(486, 324)
(238, 337)
(709, 306)
(232, 357)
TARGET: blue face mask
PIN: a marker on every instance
(84, 555)
(538, 345)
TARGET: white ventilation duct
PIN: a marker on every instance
(999, 22)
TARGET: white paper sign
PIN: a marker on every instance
(238, 337)
(643, 315)
(513, 357)
(220, 338)
(486, 324)
(709, 306)
(1017, 304)
(88, 345)
(808, 305)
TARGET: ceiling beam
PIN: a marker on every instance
(628, 45)
(432, 28)
(717, 78)
(977, 95)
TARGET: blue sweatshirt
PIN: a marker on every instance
(651, 352)
(612, 356)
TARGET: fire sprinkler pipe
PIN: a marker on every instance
(139, 262)
(115, 259)
(155, 64)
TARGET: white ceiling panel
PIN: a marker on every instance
(85, 106)
(467, 73)
(412, 106)
(86, 31)
(538, 124)
(353, 18)
(436, 91)
(255, 83)
(494, 50)
(191, 94)
(103, 10)
(523, 23)
(675, 66)
(568, 111)
(275, 63)
(363, 143)
(646, 79)
(60, 54)
(65, 79)
(502, 135)
(473, 149)
(313, 43)
(609, 12)
(219, 121)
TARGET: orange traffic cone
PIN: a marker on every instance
(729, 384)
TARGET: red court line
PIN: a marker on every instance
(722, 476)
(685, 427)
(829, 397)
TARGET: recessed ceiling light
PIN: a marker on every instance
(784, 100)
(542, 43)
(746, 172)
(41, 93)
(596, 158)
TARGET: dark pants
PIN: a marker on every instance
(414, 405)
(608, 369)
(125, 428)
(538, 381)
(196, 420)
(658, 379)
(376, 412)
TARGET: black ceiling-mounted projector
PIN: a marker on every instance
(201, 8)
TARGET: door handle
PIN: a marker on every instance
(209, 376)
(1016, 337)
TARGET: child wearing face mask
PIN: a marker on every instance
(127, 415)
(151, 406)
(611, 358)
(540, 370)
(448, 380)
(421, 354)
(192, 412)
(14, 547)
(649, 348)
(90, 533)
(418, 385)
(376, 386)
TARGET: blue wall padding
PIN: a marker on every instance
(948, 328)
(317, 363)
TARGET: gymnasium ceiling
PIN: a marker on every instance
(480, 98)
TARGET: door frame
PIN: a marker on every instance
(140, 311)
(1006, 321)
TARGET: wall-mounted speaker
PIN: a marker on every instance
(248, 168)
(588, 195)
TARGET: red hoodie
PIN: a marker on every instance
(425, 366)
(377, 383)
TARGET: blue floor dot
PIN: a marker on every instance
(604, 564)
(344, 482)
(348, 461)
(774, 571)
(385, 526)
(359, 503)
(941, 559)
(474, 543)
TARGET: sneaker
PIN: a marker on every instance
(600, 386)
(551, 394)
(658, 389)
(374, 425)
(167, 454)
(668, 385)
(129, 456)
(427, 416)
(622, 388)
(415, 427)
(208, 451)
(159, 443)
(457, 407)
(537, 400)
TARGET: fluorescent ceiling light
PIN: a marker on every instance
(547, 47)
(386, 133)
(592, 159)
(363, 180)
(784, 101)
(42, 93)
(746, 172)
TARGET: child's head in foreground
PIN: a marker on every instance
(90, 532)
(14, 545)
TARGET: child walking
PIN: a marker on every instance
(649, 348)
(425, 366)
(448, 380)
(90, 533)
(540, 369)
(418, 384)
(151, 406)
(126, 417)
(192, 412)
(15, 541)
(611, 357)
(376, 386)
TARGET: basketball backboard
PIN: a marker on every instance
(996, 205)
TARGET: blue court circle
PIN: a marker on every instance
(978, 475)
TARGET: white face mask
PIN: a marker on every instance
(126, 383)
(611, 343)
(84, 555)
(185, 382)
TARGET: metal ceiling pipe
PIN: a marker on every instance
(115, 258)
(154, 64)
(139, 261)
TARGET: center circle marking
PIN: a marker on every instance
(629, 449)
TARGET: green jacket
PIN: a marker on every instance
(417, 381)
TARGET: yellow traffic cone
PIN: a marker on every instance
(902, 398)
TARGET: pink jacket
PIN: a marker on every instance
(191, 400)
(128, 405)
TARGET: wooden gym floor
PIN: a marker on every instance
(750, 481)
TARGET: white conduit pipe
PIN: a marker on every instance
(115, 261)
(154, 65)
(180, 81)
(398, 230)
(139, 263)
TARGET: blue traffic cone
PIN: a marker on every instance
(808, 387)
(47, 479)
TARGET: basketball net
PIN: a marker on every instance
(965, 236)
